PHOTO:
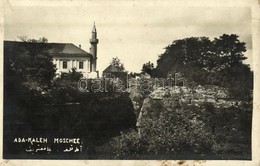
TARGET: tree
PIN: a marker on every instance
(29, 72)
(118, 64)
(148, 68)
(208, 62)
(229, 68)
(40, 40)
(74, 75)
(30, 60)
(230, 50)
(184, 56)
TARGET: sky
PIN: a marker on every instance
(134, 31)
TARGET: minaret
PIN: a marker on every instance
(93, 50)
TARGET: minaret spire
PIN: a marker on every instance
(94, 41)
(94, 28)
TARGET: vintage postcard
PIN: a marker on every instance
(130, 82)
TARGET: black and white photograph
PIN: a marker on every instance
(127, 80)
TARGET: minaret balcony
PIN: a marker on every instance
(94, 41)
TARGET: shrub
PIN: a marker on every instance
(169, 134)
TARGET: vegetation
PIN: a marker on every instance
(37, 103)
(30, 62)
(169, 135)
(208, 62)
(173, 132)
(169, 132)
(148, 68)
(118, 64)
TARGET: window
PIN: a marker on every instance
(64, 65)
(81, 65)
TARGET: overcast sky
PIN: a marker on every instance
(134, 32)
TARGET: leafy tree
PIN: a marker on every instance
(28, 74)
(229, 69)
(185, 56)
(31, 61)
(74, 75)
(40, 40)
(230, 50)
(118, 64)
(148, 68)
(208, 62)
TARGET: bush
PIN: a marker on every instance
(125, 146)
(73, 75)
(175, 133)
(169, 134)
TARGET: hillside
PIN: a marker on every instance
(202, 122)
